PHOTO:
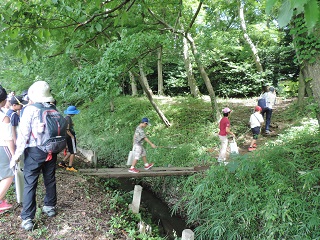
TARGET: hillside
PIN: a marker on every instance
(88, 210)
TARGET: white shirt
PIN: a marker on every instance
(28, 133)
(256, 119)
(270, 99)
(5, 129)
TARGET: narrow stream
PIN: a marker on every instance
(161, 215)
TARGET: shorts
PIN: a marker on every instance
(70, 145)
(139, 151)
(5, 157)
(255, 132)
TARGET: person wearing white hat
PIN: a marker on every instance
(71, 139)
(224, 127)
(35, 160)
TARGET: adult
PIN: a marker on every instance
(35, 159)
(225, 130)
(6, 151)
(270, 97)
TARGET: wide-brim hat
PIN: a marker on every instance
(71, 110)
(40, 92)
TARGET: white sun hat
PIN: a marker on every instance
(40, 92)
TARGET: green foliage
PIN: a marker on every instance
(288, 88)
(307, 45)
(271, 194)
(288, 9)
(110, 133)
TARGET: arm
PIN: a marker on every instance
(8, 135)
(148, 141)
(229, 131)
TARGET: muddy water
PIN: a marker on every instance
(169, 225)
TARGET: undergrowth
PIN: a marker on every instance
(271, 194)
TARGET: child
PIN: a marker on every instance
(255, 123)
(224, 127)
(14, 115)
(71, 139)
(138, 139)
(6, 151)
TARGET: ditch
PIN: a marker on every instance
(169, 225)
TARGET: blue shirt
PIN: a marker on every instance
(14, 117)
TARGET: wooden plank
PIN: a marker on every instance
(102, 170)
(140, 174)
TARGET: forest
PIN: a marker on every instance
(179, 63)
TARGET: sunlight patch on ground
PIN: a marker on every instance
(308, 126)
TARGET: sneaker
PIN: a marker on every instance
(71, 169)
(4, 205)
(62, 164)
(268, 132)
(148, 166)
(133, 170)
(250, 149)
(27, 224)
(49, 210)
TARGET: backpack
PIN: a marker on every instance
(262, 103)
(52, 128)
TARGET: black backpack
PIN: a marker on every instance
(52, 128)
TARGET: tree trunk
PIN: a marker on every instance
(160, 76)
(205, 78)
(133, 84)
(187, 63)
(302, 89)
(248, 39)
(312, 72)
(144, 77)
(154, 105)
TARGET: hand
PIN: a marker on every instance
(153, 146)
(13, 163)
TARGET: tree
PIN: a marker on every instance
(246, 36)
(304, 16)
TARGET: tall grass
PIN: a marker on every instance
(272, 194)
(111, 133)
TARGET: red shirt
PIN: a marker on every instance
(224, 123)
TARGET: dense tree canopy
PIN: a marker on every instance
(90, 47)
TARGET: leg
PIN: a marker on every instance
(49, 178)
(4, 186)
(223, 148)
(268, 119)
(71, 159)
(66, 157)
(7, 175)
(72, 149)
(34, 159)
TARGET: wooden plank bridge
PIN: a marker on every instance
(153, 172)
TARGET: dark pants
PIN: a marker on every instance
(268, 113)
(34, 163)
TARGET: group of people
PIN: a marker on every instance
(19, 127)
(256, 120)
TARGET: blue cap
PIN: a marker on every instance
(146, 120)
